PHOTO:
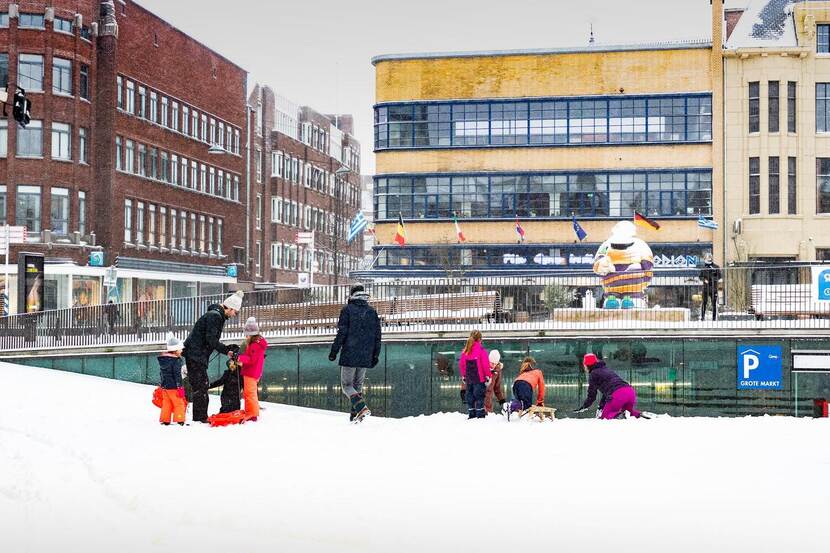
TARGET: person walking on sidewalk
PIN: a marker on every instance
(203, 340)
(712, 277)
(358, 343)
(617, 395)
(474, 368)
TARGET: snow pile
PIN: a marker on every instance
(85, 467)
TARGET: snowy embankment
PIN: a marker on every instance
(85, 466)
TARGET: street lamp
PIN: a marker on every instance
(338, 208)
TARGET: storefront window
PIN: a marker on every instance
(86, 291)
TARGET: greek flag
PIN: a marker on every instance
(358, 224)
(706, 223)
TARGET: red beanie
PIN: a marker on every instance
(590, 359)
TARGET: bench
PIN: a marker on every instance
(786, 300)
(472, 307)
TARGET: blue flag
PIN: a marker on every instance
(580, 232)
(703, 222)
(358, 224)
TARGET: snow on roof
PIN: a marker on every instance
(765, 23)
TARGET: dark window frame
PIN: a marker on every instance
(754, 106)
(792, 186)
(774, 185)
(792, 117)
(555, 121)
(754, 185)
(822, 185)
(773, 106)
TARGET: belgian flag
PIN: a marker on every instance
(645, 222)
(400, 235)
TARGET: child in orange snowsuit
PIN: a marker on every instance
(252, 361)
(170, 368)
(530, 378)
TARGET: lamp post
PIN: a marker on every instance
(338, 209)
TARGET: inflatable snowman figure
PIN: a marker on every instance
(625, 264)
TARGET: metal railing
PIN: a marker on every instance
(750, 297)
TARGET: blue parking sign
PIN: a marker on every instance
(760, 368)
(824, 285)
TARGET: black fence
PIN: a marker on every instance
(781, 297)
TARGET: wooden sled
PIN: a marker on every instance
(541, 412)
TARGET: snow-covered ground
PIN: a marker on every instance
(84, 466)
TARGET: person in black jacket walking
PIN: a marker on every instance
(203, 340)
(358, 342)
(711, 276)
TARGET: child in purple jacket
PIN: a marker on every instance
(474, 367)
(617, 394)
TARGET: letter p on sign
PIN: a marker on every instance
(751, 363)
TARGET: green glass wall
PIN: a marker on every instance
(681, 377)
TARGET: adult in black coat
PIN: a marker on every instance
(358, 342)
(203, 340)
(710, 275)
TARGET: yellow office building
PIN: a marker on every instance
(541, 137)
(777, 131)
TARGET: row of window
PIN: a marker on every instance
(156, 107)
(291, 257)
(152, 163)
(294, 170)
(146, 224)
(554, 195)
(37, 21)
(550, 121)
(28, 210)
(314, 136)
(29, 141)
(773, 106)
(31, 69)
(773, 168)
(287, 212)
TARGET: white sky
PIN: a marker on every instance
(318, 52)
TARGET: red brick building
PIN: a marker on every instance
(305, 178)
(137, 146)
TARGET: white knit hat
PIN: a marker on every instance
(174, 344)
(251, 327)
(495, 356)
(234, 301)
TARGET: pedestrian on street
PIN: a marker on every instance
(711, 276)
(617, 395)
(204, 339)
(358, 343)
(474, 368)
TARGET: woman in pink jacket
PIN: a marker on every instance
(474, 367)
(252, 360)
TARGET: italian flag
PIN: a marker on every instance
(458, 233)
(400, 235)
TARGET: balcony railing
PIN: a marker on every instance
(785, 298)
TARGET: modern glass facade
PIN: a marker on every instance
(552, 195)
(524, 256)
(545, 122)
(681, 377)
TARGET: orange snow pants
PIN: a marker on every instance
(249, 392)
(172, 404)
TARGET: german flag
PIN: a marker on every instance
(400, 235)
(645, 222)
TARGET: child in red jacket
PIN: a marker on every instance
(252, 361)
